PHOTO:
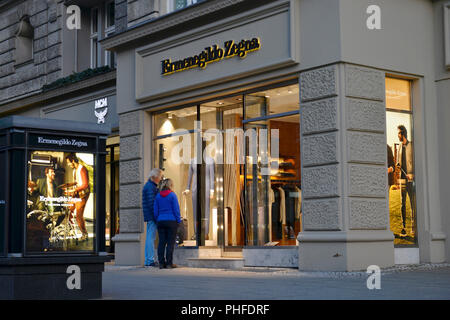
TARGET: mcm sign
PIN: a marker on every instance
(101, 103)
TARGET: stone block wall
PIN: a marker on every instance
(344, 177)
(46, 66)
(139, 11)
(321, 195)
(366, 148)
(121, 15)
(131, 172)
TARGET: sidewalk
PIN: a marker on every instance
(427, 281)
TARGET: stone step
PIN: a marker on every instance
(232, 254)
(216, 263)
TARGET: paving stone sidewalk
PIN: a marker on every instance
(418, 282)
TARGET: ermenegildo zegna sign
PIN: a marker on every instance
(61, 142)
(211, 54)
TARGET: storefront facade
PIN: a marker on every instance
(286, 109)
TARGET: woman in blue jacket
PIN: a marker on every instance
(167, 217)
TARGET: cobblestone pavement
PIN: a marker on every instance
(425, 281)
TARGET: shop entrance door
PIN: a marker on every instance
(222, 126)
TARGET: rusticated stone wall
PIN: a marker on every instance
(344, 177)
(131, 167)
(139, 11)
(321, 186)
(45, 17)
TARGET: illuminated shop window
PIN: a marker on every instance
(60, 202)
(401, 172)
(240, 202)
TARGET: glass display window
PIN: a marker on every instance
(237, 201)
(169, 122)
(60, 214)
(273, 187)
(400, 162)
(272, 101)
(398, 94)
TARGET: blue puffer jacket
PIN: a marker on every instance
(148, 199)
(166, 207)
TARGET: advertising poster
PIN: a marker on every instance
(60, 202)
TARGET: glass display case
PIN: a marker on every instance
(52, 195)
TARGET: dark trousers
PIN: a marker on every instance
(408, 189)
(167, 231)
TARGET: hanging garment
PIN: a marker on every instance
(282, 206)
(271, 202)
(276, 225)
(290, 202)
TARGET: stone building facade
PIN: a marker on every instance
(324, 48)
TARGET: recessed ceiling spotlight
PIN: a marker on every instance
(220, 103)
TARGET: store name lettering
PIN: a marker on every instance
(59, 199)
(101, 103)
(211, 54)
(63, 142)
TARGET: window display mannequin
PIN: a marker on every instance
(208, 187)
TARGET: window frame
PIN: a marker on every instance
(94, 38)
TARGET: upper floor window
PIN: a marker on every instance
(24, 41)
(174, 5)
(102, 25)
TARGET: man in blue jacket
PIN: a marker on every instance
(148, 198)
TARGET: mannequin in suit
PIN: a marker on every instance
(209, 177)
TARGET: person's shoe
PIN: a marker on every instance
(153, 264)
(172, 266)
(161, 266)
